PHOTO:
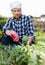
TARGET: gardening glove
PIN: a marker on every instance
(14, 36)
(30, 40)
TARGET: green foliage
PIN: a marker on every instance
(3, 19)
(22, 55)
(0, 33)
(24, 40)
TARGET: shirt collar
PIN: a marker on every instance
(18, 18)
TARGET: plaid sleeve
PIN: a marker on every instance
(6, 26)
(30, 27)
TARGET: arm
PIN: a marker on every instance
(10, 32)
(30, 29)
(6, 27)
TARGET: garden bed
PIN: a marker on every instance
(24, 54)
